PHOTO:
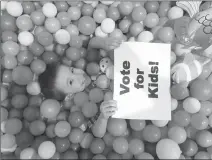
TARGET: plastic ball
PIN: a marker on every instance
(116, 127)
(99, 156)
(74, 13)
(151, 6)
(168, 149)
(191, 105)
(49, 10)
(13, 126)
(204, 138)
(62, 36)
(62, 144)
(76, 135)
(46, 149)
(7, 141)
(199, 121)
(99, 15)
(49, 57)
(145, 155)
(87, 140)
(70, 154)
(10, 48)
(31, 113)
(145, 36)
(151, 20)
(97, 146)
(14, 8)
(61, 6)
(87, 10)
(28, 153)
(4, 114)
(110, 72)
(125, 8)
(8, 23)
(124, 25)
(175, 13)
(52, 25)
(113, 13)
(89, 109)
(38, 66)
(206, 108)
(37, 127)
(28, 7)
(163, 8)
(102, 82)
(64, 18)
(76, 41)
(201, 89)
(166, 34)
(76, 119)
(174, 104)
(189, 148)
(25, 57)
(179, 92)
(96, 95)
(151, 133)
(202, 155)
(120, 145)
(136, 28)
(25, 38)
(136, 146)
(85, 154)
(160, 123)
(92, 69)
(50, 108)
(108, 96)
(108, 25)
(86, 25)
(139, 14)
(177, 134)
(182, 118)
(22, 75)
(100, 33)
(72, 29)
(62, 129)
(206, 71)
(24, 23)
(80, 98)
(9, 62)
(9, 36)
(73, 54)
(45, 38)
(137, 125)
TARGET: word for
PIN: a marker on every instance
(153, 79)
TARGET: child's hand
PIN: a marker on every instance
(108, 108)
(111, 43)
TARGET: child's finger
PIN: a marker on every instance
(106, 110)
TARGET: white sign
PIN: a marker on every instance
(142, 81)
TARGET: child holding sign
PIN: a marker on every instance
(59, 80)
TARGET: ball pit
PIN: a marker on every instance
(36, 34)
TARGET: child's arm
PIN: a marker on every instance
(107, 43)
(108, 108)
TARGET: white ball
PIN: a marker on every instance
(49, 10)
(88, 2)
(33, 88)
(160, 123)
(62, 36)
(131, 39)
(94, 4)
(168, 149)
(107, 2)
(3, 124)
(145, 36)
(108, 25)
(3, 5)
(100, 33)
(174, 104)
(25, 38)
(175, 13)
(191, 105)
(14, 8)
(46, 150)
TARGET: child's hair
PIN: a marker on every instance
(47, 82)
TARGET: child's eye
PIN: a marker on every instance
(70, 82)
(72, 70)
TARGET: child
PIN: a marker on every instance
(59, 80)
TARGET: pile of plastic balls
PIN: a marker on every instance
(35, 34)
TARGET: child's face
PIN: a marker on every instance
(71, 80)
